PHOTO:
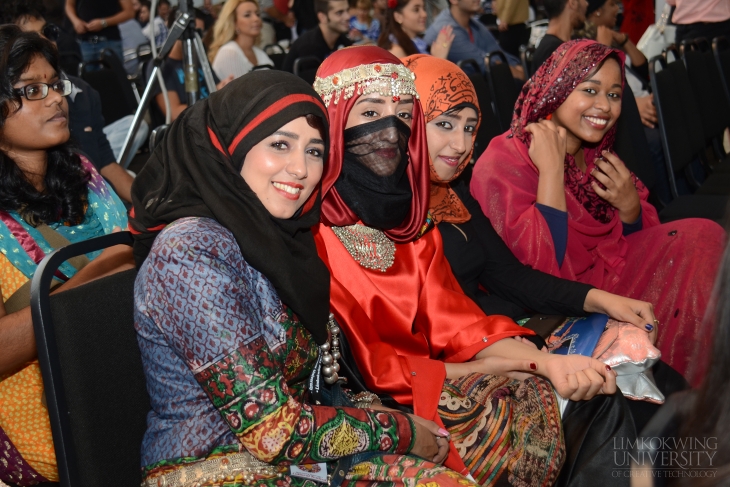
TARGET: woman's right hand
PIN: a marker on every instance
(548, 146)
(432, 441)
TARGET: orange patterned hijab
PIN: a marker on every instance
(443, 86)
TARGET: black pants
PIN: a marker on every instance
(515, 36)
(708, 30)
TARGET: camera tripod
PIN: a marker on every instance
(183, 29)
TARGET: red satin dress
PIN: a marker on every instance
(403, 324)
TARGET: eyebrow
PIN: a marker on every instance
(596, 82)
(291, 135)
(37, 78)
(371, 100)
(316, 141)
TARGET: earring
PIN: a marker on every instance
(598, 14)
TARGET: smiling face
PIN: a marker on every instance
(381, 156)
(338, 17)
(248, 21)
(450, 140)
(284, 168)
(39, 124)
(593, 107)
(412, 18)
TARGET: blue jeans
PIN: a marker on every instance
(116, 133)
(91, 51)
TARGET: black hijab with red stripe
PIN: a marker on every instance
(195, 171)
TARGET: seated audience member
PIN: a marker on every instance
(472, 40)
(410, 330)
(132, 38)
(329, 35)
(48, 192)
(236, 187)
(143, 14)
(405, 22)
(101, 144)
(363, 27)
(565, 204)
(173, 74)
(233, 51)
(564, 16)
(156, 29)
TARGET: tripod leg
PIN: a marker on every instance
(204, 64)
(139, 114)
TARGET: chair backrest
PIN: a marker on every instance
(489, 126)
(502, 87)
(306, 68)
(721, 52)
(526, 55)
(156, 136)
(115, 90)
(276, 53)
(631, 144)
(707, 86)
(92, 371)
(679, 120)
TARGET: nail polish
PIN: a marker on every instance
(649, 327)
(444, 433)
(608, 367)
(533, 365)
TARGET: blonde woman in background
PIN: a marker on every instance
(233, 50)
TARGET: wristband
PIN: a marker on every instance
(105, 24)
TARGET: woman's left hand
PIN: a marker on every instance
(620, 189)
(638, 313)
(441, 46)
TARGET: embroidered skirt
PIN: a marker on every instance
(500, 424)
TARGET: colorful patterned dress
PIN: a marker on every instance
(26, 446)
(226, 365)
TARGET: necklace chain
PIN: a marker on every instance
(369, 247)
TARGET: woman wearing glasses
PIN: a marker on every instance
(49, 196)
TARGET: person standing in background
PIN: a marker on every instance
(513, 31)
(96, 24)
(701, 18)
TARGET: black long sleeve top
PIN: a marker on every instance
(478, 256)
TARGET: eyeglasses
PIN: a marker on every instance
(51, 32)
(38, 91)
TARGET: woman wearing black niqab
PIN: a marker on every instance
(231, 302)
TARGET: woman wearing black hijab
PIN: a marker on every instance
(231, 303)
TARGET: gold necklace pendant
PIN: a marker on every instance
(369, 247)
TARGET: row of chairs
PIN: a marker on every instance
(693, 108)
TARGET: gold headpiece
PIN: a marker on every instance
(386, 79)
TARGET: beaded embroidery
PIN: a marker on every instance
(386, 79)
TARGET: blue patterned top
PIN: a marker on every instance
(226, 362)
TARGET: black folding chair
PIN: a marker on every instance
(277, 54)
(156, 136)
(489, 126)
(306, 68)
(709, 92)
(681, 128)
(502, 87)
(721, 53)
(92, 371)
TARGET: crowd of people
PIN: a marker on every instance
(352, 289)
